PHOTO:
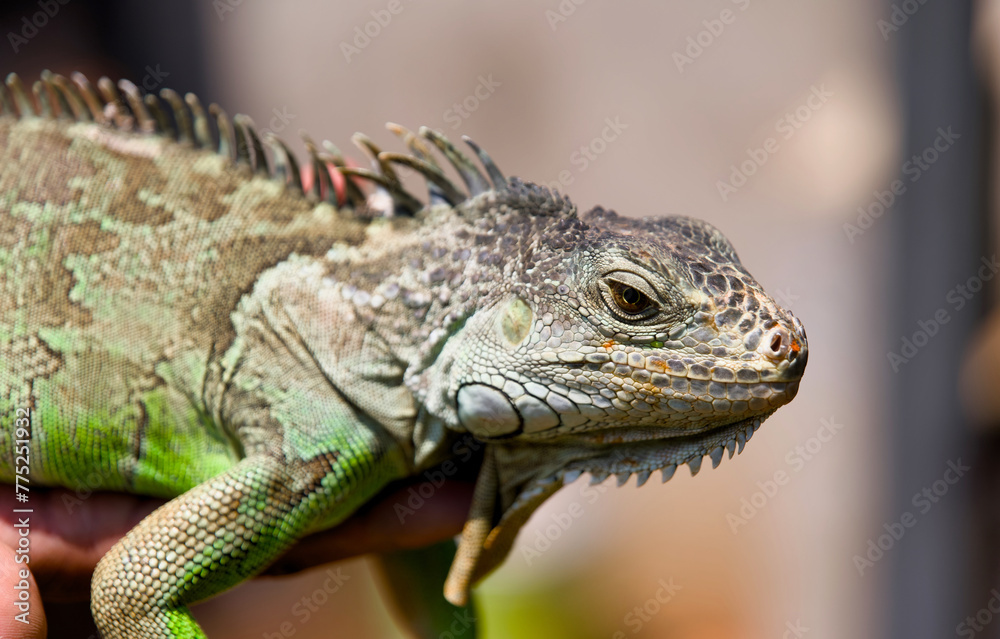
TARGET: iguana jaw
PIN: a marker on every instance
(515, 480)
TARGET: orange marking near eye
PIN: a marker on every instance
(796, 347)
(608, 344)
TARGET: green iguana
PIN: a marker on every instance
(180, 319)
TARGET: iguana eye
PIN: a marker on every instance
(628, 298)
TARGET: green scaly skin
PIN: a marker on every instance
(185, 326)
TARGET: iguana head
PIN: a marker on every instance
(603, 344)
(610, 329)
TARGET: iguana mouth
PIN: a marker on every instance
(713, 442)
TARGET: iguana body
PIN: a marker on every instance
(182, 326)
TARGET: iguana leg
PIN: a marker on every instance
(416, 580)
(221, 532)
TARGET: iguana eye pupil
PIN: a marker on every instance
(629, 298)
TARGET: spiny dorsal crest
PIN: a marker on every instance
(184, 120)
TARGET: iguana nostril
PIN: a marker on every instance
(778, 343)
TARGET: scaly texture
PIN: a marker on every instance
(183, 321)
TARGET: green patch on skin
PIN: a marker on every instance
(86, 456)
(43, 216)
(181, 624)
(95, 450)
(29, 211)
(516, 321)
(61, 340)
(40, 245)
(170, 464)
(656, 344)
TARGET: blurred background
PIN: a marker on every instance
(846, 149)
